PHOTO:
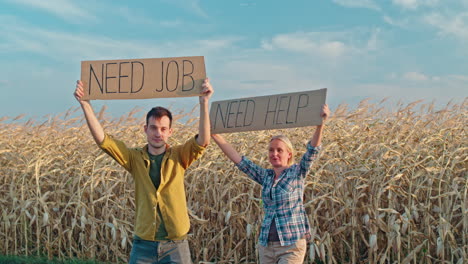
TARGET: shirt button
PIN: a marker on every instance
(157, 193)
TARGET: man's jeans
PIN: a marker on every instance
(152, 252)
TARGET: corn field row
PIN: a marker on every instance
(389, 187)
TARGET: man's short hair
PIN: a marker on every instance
(158, 112)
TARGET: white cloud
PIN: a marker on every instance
(462, 78)
(217, 43)
(409, 4)
(456, 25)
(372, 43)
(65, 9)
(370, 4)
(248, 4)
(450, 80)
(67, 46)
(307, 43)
(131, 16)
(332, 48)
(441, 89)
(63, 46)
(392, 76)
(255, 75)
(78, 12)
(192, 6)
(415, 76)
(266, 45)
(328, 45)
(171, 23)
(414, 4)
(397, 22)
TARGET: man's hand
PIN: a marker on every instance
(79, 92)
(207, 91)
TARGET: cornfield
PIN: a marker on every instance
(390, 186)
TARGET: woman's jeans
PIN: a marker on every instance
(274, 253)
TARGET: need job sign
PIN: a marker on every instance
(143, 78)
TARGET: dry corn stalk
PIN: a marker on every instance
(389, 187)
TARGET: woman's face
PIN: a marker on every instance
(278, 154)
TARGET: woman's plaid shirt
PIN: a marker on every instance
(283, 199)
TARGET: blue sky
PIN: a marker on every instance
(398, 49)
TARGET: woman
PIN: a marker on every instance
(285, 227)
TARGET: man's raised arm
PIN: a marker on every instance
(93, 123)
(204, 125)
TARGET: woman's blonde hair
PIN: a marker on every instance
(288, 144)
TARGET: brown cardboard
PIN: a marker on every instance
(143, 78)
(268, 112)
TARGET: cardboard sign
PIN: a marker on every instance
(143, 78)
(268, 112)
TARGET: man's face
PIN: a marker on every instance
(158, 131)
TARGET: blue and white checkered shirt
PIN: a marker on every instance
(283, 200)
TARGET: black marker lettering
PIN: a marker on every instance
(271, 111)
(239, 112)
(142, 76)
(121, 76)
(287, 111)
(162, 78)
(230, 113)
(189, 74)
(109, 77)
(280, 110)
(299, 104)
(91, 70)
(219, 110)
(247, 110)
(177, 75)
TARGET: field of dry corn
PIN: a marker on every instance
(389, 187)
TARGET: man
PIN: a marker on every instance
(161, 222)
